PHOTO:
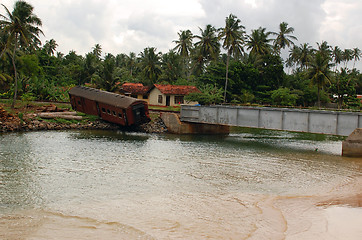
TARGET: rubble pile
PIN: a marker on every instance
(156, 126)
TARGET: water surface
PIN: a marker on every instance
(250, 184)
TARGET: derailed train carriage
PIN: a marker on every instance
(111, 107)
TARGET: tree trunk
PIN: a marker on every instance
(15, 73)
(226, 75)
(319, 97)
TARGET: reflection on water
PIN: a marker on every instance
(135, 185)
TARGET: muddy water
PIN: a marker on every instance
(251, 184)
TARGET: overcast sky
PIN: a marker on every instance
(124, 26)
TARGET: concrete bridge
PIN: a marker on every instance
(297, 120)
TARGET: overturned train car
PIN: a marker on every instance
(111, 107)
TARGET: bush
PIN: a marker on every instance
(284, 97)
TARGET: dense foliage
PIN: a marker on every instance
(249, 70)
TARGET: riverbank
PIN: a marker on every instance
(31, 117)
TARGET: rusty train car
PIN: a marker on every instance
(111, 107)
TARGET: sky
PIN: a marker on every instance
(124, 26)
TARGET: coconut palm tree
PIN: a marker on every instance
(319, 72)
(208, 44)
(259, 42)
(22, 28)
(337, 56)
(97, 50)
(324, 49)
(233, 41)
(347, 56)
(50, 47)
(283, 37)
(184, 46)
(150, 62)
(356, 54)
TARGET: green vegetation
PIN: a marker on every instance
(249, 69)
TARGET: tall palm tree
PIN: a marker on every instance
(208, 44)
(325, 49)
(50, 47)
(347, 56)
(283, 37)
(259, 42)
(150, 62)
(22, 27)
(184, 46)
(301, 55)
(97, 50)
(337, 56)
(233, 40)
(356, 54)
(319, 72)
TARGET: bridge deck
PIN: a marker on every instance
(298, 120)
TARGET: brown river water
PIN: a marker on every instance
(252, 184)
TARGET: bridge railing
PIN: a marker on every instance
(298, 120)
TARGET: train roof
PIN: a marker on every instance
(109, 98)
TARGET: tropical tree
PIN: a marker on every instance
(319, 72)
(356, 54)
(22, 28)
(347, 56)
(301, 55)
(97, 50)
(259, 42)
(184, 46)
(208, 45)
(150, 62)
(324, 49)
(283, 37)
(337, 56)
(50, 47)
(232, 36)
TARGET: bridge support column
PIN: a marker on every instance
(174, 125)
(352, 146)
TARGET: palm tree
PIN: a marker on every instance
(259, 42)
(337, 56)
(97, 50)
(208, 46)
(150, 62)
(22, 27)
(184, 46)
(233, 40)
(50, 47)
(347, 56)
(284, 37)
(319, 72)
(301, 55)
(324, 49)
(356, 54)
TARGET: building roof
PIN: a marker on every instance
(109, 98)
(175, 89)
(135, 88)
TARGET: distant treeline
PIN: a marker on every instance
(227, 64)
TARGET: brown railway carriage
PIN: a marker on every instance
(111, 107)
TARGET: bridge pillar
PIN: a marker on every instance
(174, 125)
(352, 146)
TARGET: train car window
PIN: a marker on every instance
(79, 103)
(103, 110)
(108, 111)
(114, 113)
(120, 115)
